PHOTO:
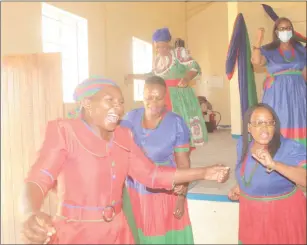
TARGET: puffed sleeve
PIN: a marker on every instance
(182, 142)
(296, 154)
(146, 172)
(266, 53)
(185, 59)
(51, 157)
(127, 120)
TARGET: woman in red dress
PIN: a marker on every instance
(90, 157)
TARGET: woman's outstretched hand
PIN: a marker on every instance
(218, 172)
(37, 229)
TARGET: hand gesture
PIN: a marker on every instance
(234, 193)
(180, 189)
(260, 35)
(183, 83)
(264, 157)
(37, 229)
(179, 209)
(218, 172)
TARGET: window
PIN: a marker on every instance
(142, 63)
(66, 33)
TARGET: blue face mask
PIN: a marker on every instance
(284, 36)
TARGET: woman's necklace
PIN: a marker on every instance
(281, 52)
(247, 183)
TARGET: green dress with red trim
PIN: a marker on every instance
(183, 101)
(153, 208)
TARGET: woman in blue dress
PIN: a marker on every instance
(285, 86)
(270, 172)
(161, 216)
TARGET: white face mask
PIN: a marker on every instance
(284, 36)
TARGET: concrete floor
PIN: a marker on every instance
(221, 148)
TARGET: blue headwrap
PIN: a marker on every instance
(162, 35)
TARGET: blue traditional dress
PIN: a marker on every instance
(272, 208)
(153, 209)
(285, 90)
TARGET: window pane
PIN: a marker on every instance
(138, 90)
(66, 33)
(70, 79)
(50, 30)
(50, 11)
(82, 33)
(51, 47)
(142, 56)
(142, 63)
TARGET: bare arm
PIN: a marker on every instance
(131, 77)
(297, 174)
(160, 177)
(257, 58)
(190, 75)
(192, 67)
(32, 199)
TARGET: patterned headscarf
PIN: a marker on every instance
(162, 35)
(87, 89)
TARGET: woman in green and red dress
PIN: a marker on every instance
(161, 216)
(178, 68)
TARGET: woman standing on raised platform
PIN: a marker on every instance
(285, 86)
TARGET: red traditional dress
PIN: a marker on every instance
(90, 174)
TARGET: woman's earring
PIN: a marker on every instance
(249, 137)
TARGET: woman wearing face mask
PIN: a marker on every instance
(269, 170)
(285, 86)
(90, 157)
(161, 216)
(178, 68)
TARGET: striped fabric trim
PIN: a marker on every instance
(182, 148)
(270, 77)
(294, 133)
(44, 171)
(303, 164)
(268, 198)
